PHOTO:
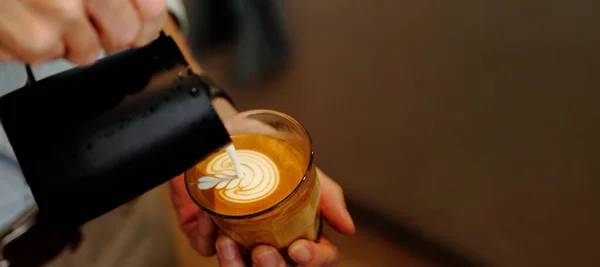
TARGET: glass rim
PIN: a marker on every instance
(284, 200)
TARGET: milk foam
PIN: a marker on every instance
(234, 158)
(256, 177)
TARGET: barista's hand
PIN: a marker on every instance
(303, 252)
(195, 223)
(35, 31)
(202, 232)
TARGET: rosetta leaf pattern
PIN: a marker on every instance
(208, 182)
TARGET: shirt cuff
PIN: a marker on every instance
(177, 10)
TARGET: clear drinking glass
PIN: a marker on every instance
(276, 200)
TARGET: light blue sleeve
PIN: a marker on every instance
(15, 196)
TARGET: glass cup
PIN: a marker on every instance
(273, 204)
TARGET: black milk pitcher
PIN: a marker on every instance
(90, 139)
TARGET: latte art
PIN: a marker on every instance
(258, 177)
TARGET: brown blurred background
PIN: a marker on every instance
(474, 124)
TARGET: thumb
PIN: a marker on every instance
(333, 205)
(195, 223)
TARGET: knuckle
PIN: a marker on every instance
(94, 6)
(68, 10)
(125, 36)
(105, 5)
(42, 40)
(152, 10)
(92, 48)
(130, 36)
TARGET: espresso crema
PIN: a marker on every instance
(269, 170)
(256, 178)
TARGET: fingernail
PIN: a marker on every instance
(226, 249)
(300, 253)
(266, 259)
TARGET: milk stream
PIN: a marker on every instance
(234, 158)
(254, 175)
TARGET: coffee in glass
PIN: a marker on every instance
(272, 197)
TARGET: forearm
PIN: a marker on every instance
(224, 108)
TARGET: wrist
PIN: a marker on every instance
(221, 100)
(224, 108)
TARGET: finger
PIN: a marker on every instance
(27, 35)
(307, 253)
(83, 45)
(266, 256)
(195, 223)
(207, 234)
(153, 14)
(333, 205)
(116, 20)
(228, 252)
(187, 211)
